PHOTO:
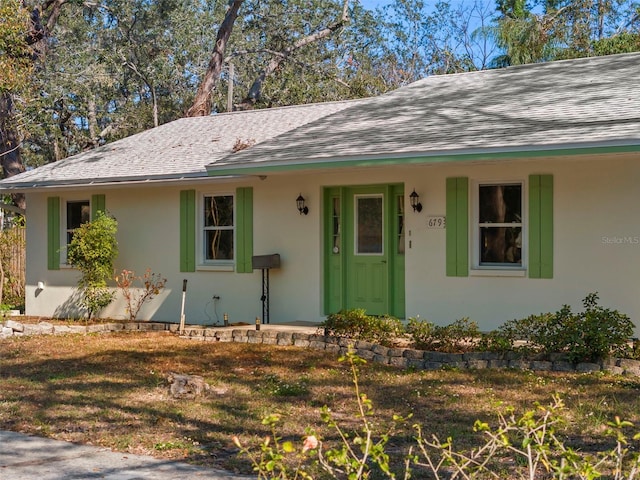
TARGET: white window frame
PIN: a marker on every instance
(497, 269)
(63, 225)
(216, 265)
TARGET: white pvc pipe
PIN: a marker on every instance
(184, 294)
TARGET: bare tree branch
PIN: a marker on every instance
(202, 102)
(241, 53)
(256, 89)
(131, 66)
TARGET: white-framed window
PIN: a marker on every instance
(498, 231)
(218, 229)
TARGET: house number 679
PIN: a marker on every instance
(436, 221)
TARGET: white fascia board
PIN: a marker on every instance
(438, 156)
(114, 183)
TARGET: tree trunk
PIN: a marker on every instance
(10, 145)
(92, 119)
(155, 106)
(10, 157)
(1, 278)
(255, 91)
(202, 102)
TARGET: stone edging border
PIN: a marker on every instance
(409, 357)
(14, 328)
(397, 357)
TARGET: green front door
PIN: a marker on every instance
(364, 249)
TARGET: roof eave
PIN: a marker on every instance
(115, 182)
(429, 157)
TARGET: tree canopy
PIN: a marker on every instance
(78, 74)
(15, 61)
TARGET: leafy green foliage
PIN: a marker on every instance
(459, 336)
(273, 460)
(93, 250)
(158, 51)
(552, 30)
(495, 341)
(534, 443)
(529, 445)
(283, 388)
(590, 335)
(587, 336)
(625, 42)
(356, 324)
(363, 449)
(95, 298)
(359, 453)
(15, 53)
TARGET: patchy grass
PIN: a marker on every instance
(111, 390)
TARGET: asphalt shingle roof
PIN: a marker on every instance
(175, 150)
(567, 104)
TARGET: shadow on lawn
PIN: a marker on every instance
(112, 391)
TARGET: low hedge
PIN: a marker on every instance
(587, 336)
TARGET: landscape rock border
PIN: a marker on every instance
(15, 328)
(397, 357)
(409, 357)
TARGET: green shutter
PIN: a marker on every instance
(188, 231)
(98, 204)
(244, 230)
(53, 233)
(397, 212)
(457, 231)
(541, 226)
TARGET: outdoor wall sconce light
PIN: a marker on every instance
(414, 199)
(302, 208)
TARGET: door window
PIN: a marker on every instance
(369, 225)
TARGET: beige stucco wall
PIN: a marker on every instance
(596, 245)
(596, 203)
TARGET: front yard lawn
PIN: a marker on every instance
(111, 390)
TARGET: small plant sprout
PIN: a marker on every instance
(151, 285)
(275, 456)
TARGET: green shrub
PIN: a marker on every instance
(423, 333)
(356, 324)
(459, 336)
(587, 336)
(92, 250)
(591, 335)
(528, 335)
(496, 341)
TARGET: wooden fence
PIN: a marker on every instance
(16, 261)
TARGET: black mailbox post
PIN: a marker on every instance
(265, 263)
